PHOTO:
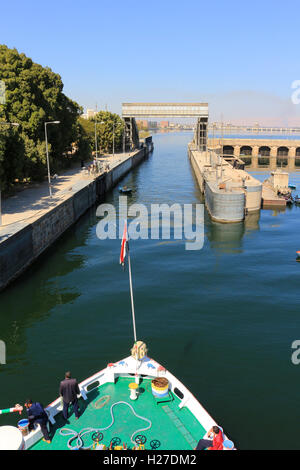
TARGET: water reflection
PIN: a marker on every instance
(228, 238)
(42, 288)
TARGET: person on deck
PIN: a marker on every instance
(69, 390)
(37, 414)
(215, 443)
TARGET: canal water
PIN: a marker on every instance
(222, 319)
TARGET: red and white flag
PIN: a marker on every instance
(123, 245)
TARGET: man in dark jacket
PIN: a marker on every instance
(69, 390)
(37, 414)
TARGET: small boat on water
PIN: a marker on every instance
(291, 186)
(297, 255)
(125, 190)
(297, 201)
(132, 403)
(289, 199)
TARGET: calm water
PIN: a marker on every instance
(222, 319)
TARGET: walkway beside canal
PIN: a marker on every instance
(30, 204)
(33, 221)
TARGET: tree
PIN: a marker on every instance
(109, 124)
(34, 95)
(12, 159)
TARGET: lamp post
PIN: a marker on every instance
(96, 148)
(113, 139)
(47, 153)
(14, 124)
(124, 138)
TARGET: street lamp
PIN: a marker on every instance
(96, 149)
(48, 164)
(113, 138)
(14, 124)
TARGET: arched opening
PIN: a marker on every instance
(263, 161)
(282, 152)
(264, 151)
(281, 161)
(298, 152)
(228, 150)
(246, 150)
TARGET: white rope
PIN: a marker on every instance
(78, 436)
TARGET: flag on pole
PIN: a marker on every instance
(123, 245)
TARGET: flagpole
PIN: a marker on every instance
(131, 292)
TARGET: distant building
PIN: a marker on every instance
(90, 113)
(142, 124)
(152, 125)
(164, 124)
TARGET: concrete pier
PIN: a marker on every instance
(270, 198)
(22, 242)
(261, 153)
(229, 193)
(276, 184)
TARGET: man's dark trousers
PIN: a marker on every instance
(44, 430)
(204, 444)
(75, 406)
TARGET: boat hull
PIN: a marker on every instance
(145, 370)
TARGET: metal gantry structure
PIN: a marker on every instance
(131, 111)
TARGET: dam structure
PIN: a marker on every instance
(230, 192)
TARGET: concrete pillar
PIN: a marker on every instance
(236, 151)
(291, 158)
(254, 163)
(273, 158)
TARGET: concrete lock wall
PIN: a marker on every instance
(253, 198)
(15, 253)
(49, 227)
(19, 250)
(196, 170)
(224, 207)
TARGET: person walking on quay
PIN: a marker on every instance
(37, 414)
(69, 390)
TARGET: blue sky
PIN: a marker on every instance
(241, 57)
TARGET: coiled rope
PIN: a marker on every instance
(78, 436)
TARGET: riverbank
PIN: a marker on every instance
(32, 220)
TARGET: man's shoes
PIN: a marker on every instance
(48, 442)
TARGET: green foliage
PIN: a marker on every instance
(85, 142)
(34, 95)
(107, 125)
(11, 156)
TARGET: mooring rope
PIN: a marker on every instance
(79, 435)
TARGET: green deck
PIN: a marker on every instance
(174, 428)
